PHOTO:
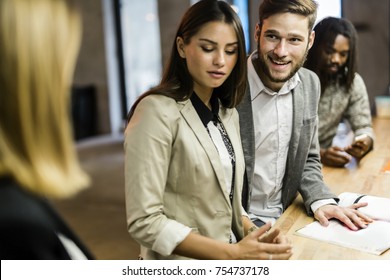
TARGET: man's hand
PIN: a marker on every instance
(349, 216)
(335, 156)
(360, 147)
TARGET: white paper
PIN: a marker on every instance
(374, 239)
(378, 208)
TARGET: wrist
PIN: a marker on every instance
(232, 252)
(252, 229)
(322, 152)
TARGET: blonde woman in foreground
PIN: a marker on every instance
(39, 42)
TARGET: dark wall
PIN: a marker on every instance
(253, 7)
(371, 19)
(91, 69)
(170, 13)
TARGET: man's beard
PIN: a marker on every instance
(267, 72)
(341, 71)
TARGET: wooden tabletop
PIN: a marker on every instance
(366, 177)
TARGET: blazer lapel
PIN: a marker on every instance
(191, 116)
(297, 122)
(247, 132)
(297, 98)
(234, 137)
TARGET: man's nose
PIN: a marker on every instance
(335, 58)
(281, 48)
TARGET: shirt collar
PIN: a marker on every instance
(257, 86)
(203, 111)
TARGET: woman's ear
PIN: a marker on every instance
(180, 47)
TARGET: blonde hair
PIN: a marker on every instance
(39, 43)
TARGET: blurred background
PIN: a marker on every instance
(124, 47)
(126, 43)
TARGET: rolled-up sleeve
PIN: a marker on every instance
(148, 143)
(165, 246)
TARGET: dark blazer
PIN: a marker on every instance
(29, 226)
(303, 170)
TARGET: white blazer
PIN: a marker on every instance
(174, 178)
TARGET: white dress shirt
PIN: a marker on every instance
(272, 119)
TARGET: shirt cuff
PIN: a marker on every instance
(368, 131)
(244, 213)
(171, 235)
(319, 203)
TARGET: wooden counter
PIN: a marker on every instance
(365, 177)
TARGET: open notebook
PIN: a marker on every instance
(374, 239)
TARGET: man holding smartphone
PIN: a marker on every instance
(343, 92)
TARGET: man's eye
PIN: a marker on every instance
(328, 51)
(271, 37)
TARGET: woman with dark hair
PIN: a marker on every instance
(344, 95)
(184, 164)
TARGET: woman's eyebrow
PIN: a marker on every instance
(215, 43)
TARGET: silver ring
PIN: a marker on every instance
(270, 256)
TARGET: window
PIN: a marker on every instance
(141, 46)
(328, 8)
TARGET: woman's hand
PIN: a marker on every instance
(264, 244)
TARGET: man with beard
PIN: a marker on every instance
(343, 92)
(278, 120)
